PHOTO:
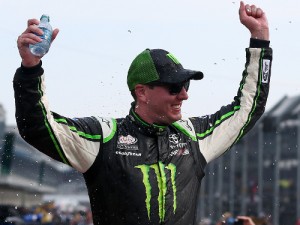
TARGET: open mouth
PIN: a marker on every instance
(176, 107)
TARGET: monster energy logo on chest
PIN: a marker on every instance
(161, 178)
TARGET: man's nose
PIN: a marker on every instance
(183, 95)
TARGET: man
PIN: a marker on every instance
(145, 168)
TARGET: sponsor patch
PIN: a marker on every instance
(178, 148)
(179, 152)
(127, 142)
(265, 71)
(174, 139)
(128, 153)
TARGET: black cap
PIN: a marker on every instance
(158, 65)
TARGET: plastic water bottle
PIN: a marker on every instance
(41, 48)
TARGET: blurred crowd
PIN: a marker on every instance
(46, 214)
(51, 214)
(228, 219)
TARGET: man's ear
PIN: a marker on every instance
(141, 92)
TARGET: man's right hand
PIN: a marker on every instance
(29, 37)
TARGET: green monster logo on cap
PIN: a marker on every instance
(173, 58)
(159, 170)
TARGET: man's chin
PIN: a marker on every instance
(169, 120)
(176, 118)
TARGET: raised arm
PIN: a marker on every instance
(76, 141)
(217, 132)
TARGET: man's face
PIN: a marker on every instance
(163, 105)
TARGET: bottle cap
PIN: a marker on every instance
(45, 16)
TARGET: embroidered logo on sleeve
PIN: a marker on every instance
(265, 71)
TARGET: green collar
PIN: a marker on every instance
(152, 128)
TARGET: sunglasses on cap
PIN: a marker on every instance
(174, 89)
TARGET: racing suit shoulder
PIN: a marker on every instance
(73, 141)
(109, 127)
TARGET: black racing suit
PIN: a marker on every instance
(137, 173)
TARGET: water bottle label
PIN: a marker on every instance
(47, 34)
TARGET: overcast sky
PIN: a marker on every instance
(87, 65)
